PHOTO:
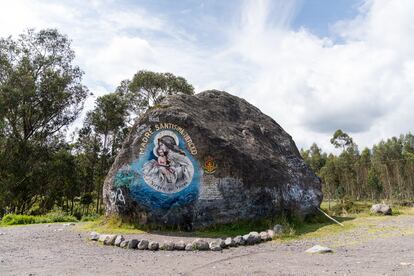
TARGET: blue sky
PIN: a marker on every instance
(320, 15)
(312, 65)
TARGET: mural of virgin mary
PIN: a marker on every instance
(172, 170)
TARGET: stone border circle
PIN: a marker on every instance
(198, 244)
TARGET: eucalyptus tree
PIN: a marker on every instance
(148, 88)
(41, 93)
(104, 129)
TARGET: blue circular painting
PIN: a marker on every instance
(166, 174)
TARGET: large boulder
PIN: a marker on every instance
(381, 208)
(207, 159)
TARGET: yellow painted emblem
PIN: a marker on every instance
(210, 165)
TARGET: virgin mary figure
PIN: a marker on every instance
(172, 171)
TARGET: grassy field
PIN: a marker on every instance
(357, 218)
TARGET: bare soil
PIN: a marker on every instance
(55, 249)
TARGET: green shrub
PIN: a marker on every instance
(60, 217)
(90, 217)
(14, 219)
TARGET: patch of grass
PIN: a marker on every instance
(293, 226)
(234, 229)
(402, 210)
(14, 219)
(363, 207)
(314, 226)
(93, 217)
(111, 225)
(350, 207)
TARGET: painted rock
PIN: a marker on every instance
(211, 158)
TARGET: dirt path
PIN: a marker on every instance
(381, 247)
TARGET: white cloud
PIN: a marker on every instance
(310, 85)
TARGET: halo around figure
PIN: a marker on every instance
(162, 134)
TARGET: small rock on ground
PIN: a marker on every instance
(318, 249)
(167, 245)
(215, 245)
(189, 247)
(201, 244)
(229, 242)
(381, 208)
(119, 239)
(153, 246)
(278, 229)
(124, 244)
(94, 236)
(110, 240)
(143, 244)
(239, 240)
(252, 238)
(133, 244)
(264, 236)
(180, 245)
(102, 237)
(271, 233)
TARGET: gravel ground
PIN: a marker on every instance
(55, 249)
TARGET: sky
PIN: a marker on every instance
(314, 66)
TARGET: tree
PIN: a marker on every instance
(149, 88)
(375, 184)
(341, 139)
(330, 178)
(105, 128)
(40, 94)
(317, 159)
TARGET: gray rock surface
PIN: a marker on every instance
(239, 240)
(102, 237)
(201, 245)
(217, 157)
(110, 240)
(252, 238)
(143, 244)
(124, 244)
(189, 247)
(167, 245)
(222, 243)
(93, 236)
(264, 236)
(229, 242)
(132, 244)
(118, 240)
(215, 245)
(153, 246)
(278, 229)
(271, 233)
(180, 245)
(381, 208)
